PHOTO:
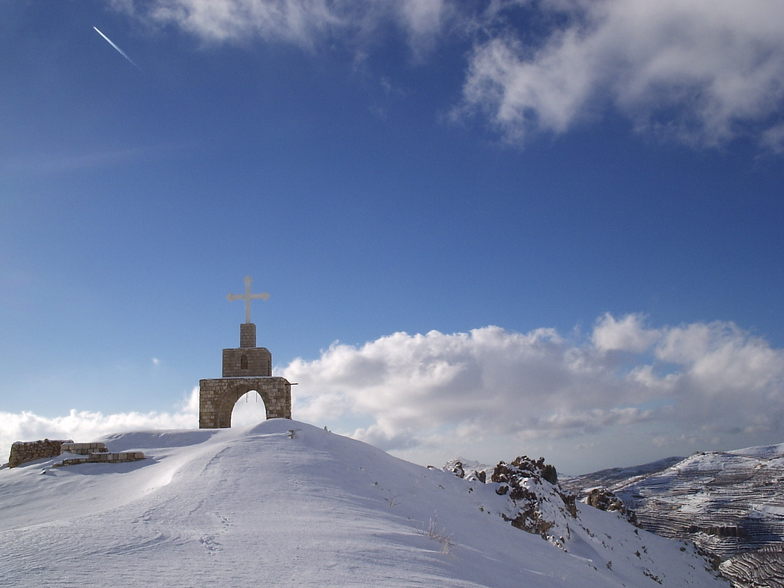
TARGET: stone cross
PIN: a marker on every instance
(247, 297)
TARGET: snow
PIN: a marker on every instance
(255, 506)
(762, 451)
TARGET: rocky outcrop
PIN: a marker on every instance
(536, 503)
(604, 499)
(467, 469)
(455, 467)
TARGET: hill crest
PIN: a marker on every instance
(310, 508)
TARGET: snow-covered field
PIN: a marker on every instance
(258, 507)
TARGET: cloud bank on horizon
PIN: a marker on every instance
(699, 72)
(706, 382)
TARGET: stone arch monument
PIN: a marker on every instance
(245, 368)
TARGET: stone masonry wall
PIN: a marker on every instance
(106, 457)
(24, 451)
(217, 398)
(247, 335)
(259, 362)
(84, 448)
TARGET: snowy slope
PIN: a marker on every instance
(255, 507)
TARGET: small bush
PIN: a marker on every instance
(437, 533)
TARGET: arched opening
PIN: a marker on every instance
(248, 410)
(244, 362)
(218, 399)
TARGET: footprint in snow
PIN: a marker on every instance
(210, 544)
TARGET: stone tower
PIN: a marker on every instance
(245, 368)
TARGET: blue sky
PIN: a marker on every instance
(609, 172)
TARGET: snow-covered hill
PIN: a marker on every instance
(729, 503)
(726, 502)
(611, 477)
(258, 506)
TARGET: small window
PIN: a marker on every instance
(244, 362)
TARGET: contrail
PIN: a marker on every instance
(116, 48)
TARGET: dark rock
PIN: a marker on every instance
(455, 467)
(529, 486)
(604, 499)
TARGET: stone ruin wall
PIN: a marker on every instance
(24, 451)
(105, 457)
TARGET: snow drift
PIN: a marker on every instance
(285, 503)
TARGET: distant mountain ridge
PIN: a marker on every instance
(612, 476)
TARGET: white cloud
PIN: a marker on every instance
(54, 163)
(423, 21)
(304, 23)
(731, 379)
(85, 425)
(705, 379)
(702, 71)
(294, 21)
(156, 361)
(411, 383)
(695, 385)
(626, 334)
(773, 138)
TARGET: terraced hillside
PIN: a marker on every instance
(763, 567)
(726, 502)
